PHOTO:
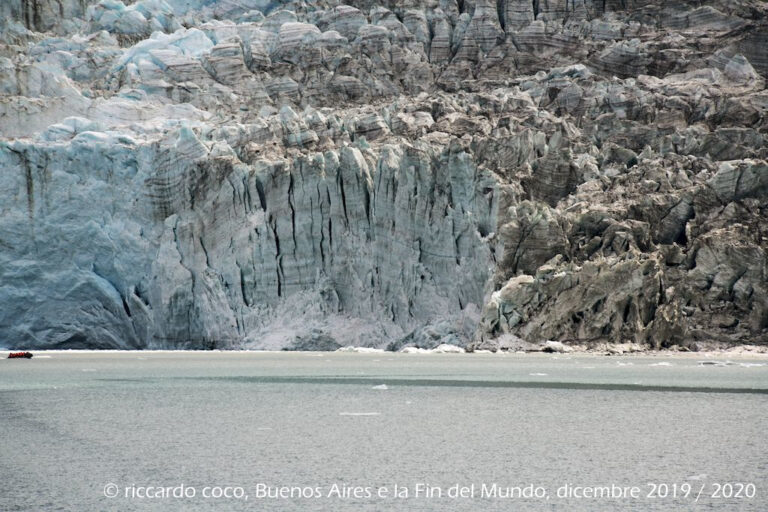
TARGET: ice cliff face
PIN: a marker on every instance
(294, 174)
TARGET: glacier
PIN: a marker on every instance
(305, 175)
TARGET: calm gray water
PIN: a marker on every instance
(78, 425)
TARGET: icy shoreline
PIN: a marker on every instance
(742, 351)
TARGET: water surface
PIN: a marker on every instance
(74, 423)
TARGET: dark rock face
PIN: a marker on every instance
(188, 173)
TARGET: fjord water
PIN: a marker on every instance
(73, 423)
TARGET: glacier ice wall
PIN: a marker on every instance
(123, 243)
(298, 174)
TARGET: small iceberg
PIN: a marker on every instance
(555, 346)
(538, 374)
(448, 349)
(414, 350)
(663, 363)
(381, 386)
(360, 350)
(444, 348)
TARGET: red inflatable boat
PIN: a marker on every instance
(20, 355)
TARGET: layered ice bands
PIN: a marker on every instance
(313, 175)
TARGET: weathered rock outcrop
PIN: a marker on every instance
(188, 173)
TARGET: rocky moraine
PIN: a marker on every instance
(298, 174)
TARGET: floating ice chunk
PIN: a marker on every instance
(361, 350)
(751, 365)
(697, 477)
(448, 349)
(663, 363)
(715, 363)
(381, 386)
(555, 346)
(414, 350)
(538, 374)
(444, 348)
